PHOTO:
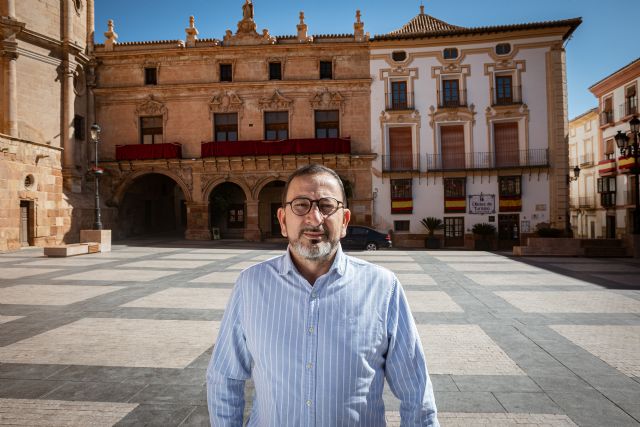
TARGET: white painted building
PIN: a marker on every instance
(470, 127)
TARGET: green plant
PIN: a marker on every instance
(549, 232)
(484, 229)
(432, 224)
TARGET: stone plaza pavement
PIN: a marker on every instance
(124, 338)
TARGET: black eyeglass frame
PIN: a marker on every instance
(317, 202)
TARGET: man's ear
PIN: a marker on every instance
(346, 217)
(283, 224)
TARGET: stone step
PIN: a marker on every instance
(606, 252)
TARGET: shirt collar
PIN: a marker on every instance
(339, 262)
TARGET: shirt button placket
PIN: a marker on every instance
(311, 354)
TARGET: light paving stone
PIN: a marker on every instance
(619, 346)
(377, 259)
(51, 294)
(524, 279)
(464, 350)
(398, 266)
(432, 302)
(167, 264)
(466, 254)
(221, 251)
(625, 279)
(512, 266)
(571, 302)
(597, 267)
(118, 275)
(147, 249)
(5, 319)
(78, 261)
(20, 272)
(117, 342)
(378, 254)
(118, 255)
(241, 265)
(218, 277)
(466, 419)
(187, 298)
(488, 259)
(264, 257)
(415, 279)
(54, 413)
(6, 259)
(196, 256)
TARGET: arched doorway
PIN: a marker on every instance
(152, 204)
(270, 198)
(227, 210)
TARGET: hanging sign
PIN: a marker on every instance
(482, 204)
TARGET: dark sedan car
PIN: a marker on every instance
(360, 237)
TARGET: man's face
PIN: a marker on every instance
(314, 236)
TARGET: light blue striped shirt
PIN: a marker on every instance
(318, 354)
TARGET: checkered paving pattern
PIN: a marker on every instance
(125, 337)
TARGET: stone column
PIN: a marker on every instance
(197, 221)
(252, 226)
(11, 8)
(91, 26)
(11, 92)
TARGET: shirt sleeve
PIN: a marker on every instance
(406, 367)
(229, 367)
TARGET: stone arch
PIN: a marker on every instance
(129, 179)
(211, 185)
(257, 188)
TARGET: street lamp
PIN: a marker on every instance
(95, 137)
(632, 150)
(576, 174)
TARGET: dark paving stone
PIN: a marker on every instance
(26, 389)
(564, 382)
(591, 409)
(177, 394)
(466, 401)
(104, 374)
(495, 383)
(202, 361)
(156, 415)
(198, 418)
(26, 371)
(528, 403)
(443, 383)
(188, 376)
(95, 392)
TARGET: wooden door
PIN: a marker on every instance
(452, 146)
(454, 232)
(400, 148)
(505, 137)
(24, 223)
(508, 231)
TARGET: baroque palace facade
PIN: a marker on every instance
(199, 135)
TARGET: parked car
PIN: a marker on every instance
(360, 237)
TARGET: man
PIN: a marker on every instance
(319, 331)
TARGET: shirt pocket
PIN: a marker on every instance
(361, 334)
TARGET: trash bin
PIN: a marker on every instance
(215, 233)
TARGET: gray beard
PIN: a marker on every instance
(314, 252)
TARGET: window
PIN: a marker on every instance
(78, 127)
(452, 146)
(606, 116)
(326, 69)
(401, 225)
(630, 101)
(450, 53)
(510, 186)
(236, 216)
(505, 139)
(226, 73)
(276, 125)
(607, 190)
(151, 75)
(454, 187)
(504, 90)
(454, 227)
(275, 71)
(226, 126)
(399, 95)
(400, 149)
(151, 130)
(609, 149)
(327, 123)
(399, 55)
(401, 196)
(503, 48)
(450, 93)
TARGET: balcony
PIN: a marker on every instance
(587, 202)
(402, 101)
(574, 203)
(487, 160)
(608, 200)
(453, 99)
(586, 159)
(606, 118)
(607, 166)
(400, 163)
(172, 150)
(276, 148)
(630, 198)
(629, 107)
(507, 97)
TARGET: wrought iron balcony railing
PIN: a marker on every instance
(452, 99)
(510, 96)
(606, 118)
(586, 159)
(588, 202)
(402, 101)
(487, 160)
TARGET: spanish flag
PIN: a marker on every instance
(510, 204)
(455, 205)
(402, 205)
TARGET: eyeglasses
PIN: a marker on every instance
(326, 205)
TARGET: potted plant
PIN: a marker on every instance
(432, 224)
(484, 231)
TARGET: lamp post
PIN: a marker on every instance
(632, 150)
(95, 137)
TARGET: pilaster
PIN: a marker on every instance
(197, 221)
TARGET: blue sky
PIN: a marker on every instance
(601, 45)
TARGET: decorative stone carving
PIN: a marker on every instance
(111, 37)
(327, 100)
(152, 107)
(452, 115)
(224, 102)
(277, 101)
(303, 37)
(246, 33)
(358, 29)
(192, 32)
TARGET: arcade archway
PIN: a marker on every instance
(270, 199)
(227, 210)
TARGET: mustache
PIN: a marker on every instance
(318, 229)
